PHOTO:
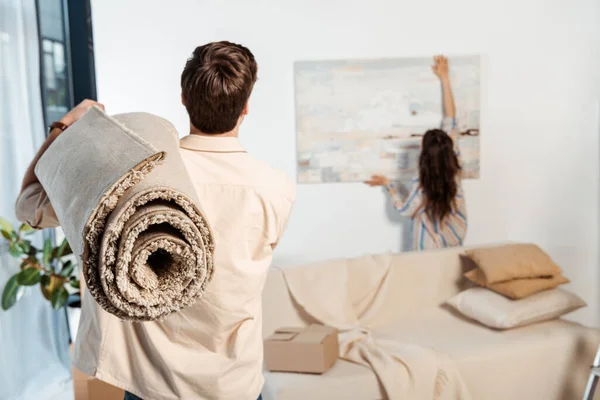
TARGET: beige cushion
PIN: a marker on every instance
(517, 288)
(496, 311)
(513, 261)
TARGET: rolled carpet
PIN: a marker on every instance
(130, 212)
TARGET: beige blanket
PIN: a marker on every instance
(130, 212)
(405, 371)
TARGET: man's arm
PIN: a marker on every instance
(283, 209)
(33, 205)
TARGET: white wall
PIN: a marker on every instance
(540, 118)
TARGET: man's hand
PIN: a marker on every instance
(440, 67)
(78, 112)
(378, 180)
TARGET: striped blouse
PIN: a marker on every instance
(426, 233)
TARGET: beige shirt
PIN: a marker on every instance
(213, 349)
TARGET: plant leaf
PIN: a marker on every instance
(29, 262)
(63, 250)
(15, 250)
(25, 228)
(67, 250)
(49, 284)
(25, 246)
(32, 251)
(47, 252)
(29, 276)
(6, 226)
(75, 284)
(59, 297)
(9, 294)
(6, 235)
(45, 291)
(67, 269)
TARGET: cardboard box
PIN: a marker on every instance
(89, 388)
(86, 387)
(313, 349)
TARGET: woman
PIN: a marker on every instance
(435, 203)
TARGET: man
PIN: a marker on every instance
(213, 349)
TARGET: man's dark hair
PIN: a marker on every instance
(216, 83)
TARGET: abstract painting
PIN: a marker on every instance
(364, 117)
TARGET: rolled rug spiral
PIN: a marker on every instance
(130, 213)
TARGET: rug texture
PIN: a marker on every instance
(130, 212)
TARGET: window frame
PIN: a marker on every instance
(78, 51)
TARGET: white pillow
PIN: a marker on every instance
(496, 311)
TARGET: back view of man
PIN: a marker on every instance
(213, 349)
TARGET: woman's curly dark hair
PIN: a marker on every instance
(438, 170)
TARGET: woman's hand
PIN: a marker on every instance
(378, 180)
(440, 67)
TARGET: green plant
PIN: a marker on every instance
(48, 266)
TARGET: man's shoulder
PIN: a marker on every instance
(272, 179)
(240, 170)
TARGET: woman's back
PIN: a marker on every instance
(427, 232)
(436, 201)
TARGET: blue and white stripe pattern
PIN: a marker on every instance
(428, 234)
